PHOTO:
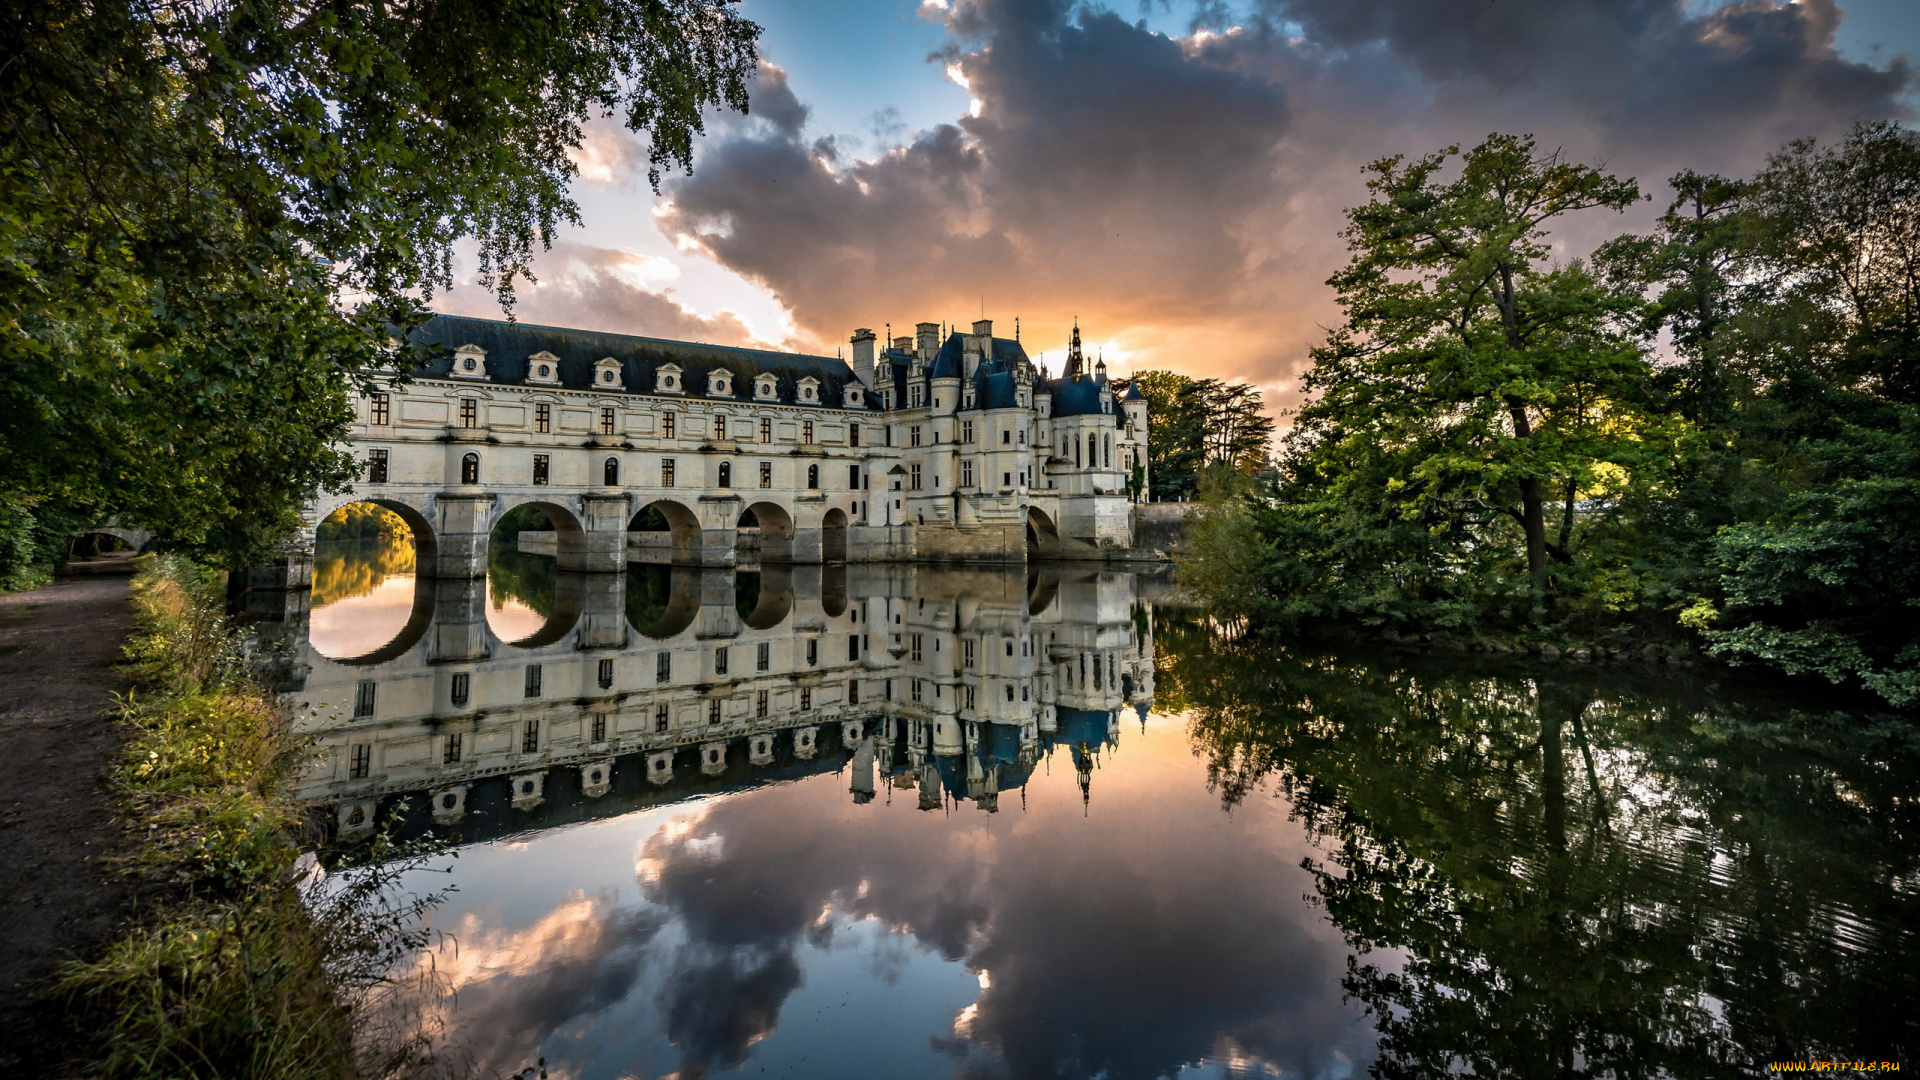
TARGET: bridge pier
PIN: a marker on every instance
(603, 611)
(601, 546)
(461, 527)
(459, 620)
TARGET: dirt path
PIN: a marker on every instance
(57, 650)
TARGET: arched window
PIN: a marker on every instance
(612, 470)
(813, 476)
(1093, 451)
(470, 469)
(726, 474)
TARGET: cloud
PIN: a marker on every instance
(1183, 196)
(606, 289)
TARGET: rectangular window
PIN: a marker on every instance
(533, 680)
(363, 699)
(763, 657)
(966, 474)
(853, 691)
(362, 761)
(540, 468)
(916, 689)
(916, 643)
(713, 711)
(379, 406)
(530, 737)
(806, 698)
(806, 431)
(913, 435)
(660, 719)
(1006, 479)
(667, 425)
(766, 474)
(966, 431)
(813, 652)
(720, 660)
(543, 419)
(853, 434)
(1006, 437)
(915, 476)
(760, 705)
(853, 477)
(853, 647)
(968, 691)
(462, 684)
(889, 433)
(766, 429)
(469, 412)
(667, 469)
(451, 754)
(913, 396)
(606, 674)
(663, 667)
(606, 420)
(376, 466)
(966, 652)
(886, 689)
(599, 728)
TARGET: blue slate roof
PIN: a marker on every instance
(1075, 397)
(508, 346)
(1133, 391)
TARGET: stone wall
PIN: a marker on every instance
(1161, 528)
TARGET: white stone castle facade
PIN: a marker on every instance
(922, 449)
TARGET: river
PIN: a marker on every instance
(920, 822)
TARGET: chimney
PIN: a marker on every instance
(983, 328)
(863, 355)
(929, 334)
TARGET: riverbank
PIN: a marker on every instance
(60, 825)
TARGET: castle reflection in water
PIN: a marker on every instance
(666, 683)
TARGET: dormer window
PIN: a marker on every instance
(543, 368)
(853, 397)
(720, 383)
(809, 389)
(766, 388)
(607, 376)
(666, 379)
(469, 362)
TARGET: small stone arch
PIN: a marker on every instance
(833, 536)
(1043, 535)
(776, 531)
(664, 530)
(1041, 589)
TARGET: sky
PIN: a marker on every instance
(1172, 174)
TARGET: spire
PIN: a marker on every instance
(1016, 329)
(1074, 356)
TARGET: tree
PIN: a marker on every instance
(1489, 374)
(1196, 423)
(191, 194)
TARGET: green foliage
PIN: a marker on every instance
(248, 972)
(1708, 431)
(1193, 424)
(362, 521)
(1545, 867)
(188, 192)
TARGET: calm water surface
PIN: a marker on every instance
(1137, 850)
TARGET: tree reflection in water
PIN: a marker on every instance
(343, 569)
(1590, 872)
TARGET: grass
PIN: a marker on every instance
(253, 970)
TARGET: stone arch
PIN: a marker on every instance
(1041, 590)
(833, 536)
(678, 542)
(764, 598)
(570, 541)
(419, 621)
(1043, 535)
(568, 534)
(426, 544)
(776, 531)
(662, 601)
